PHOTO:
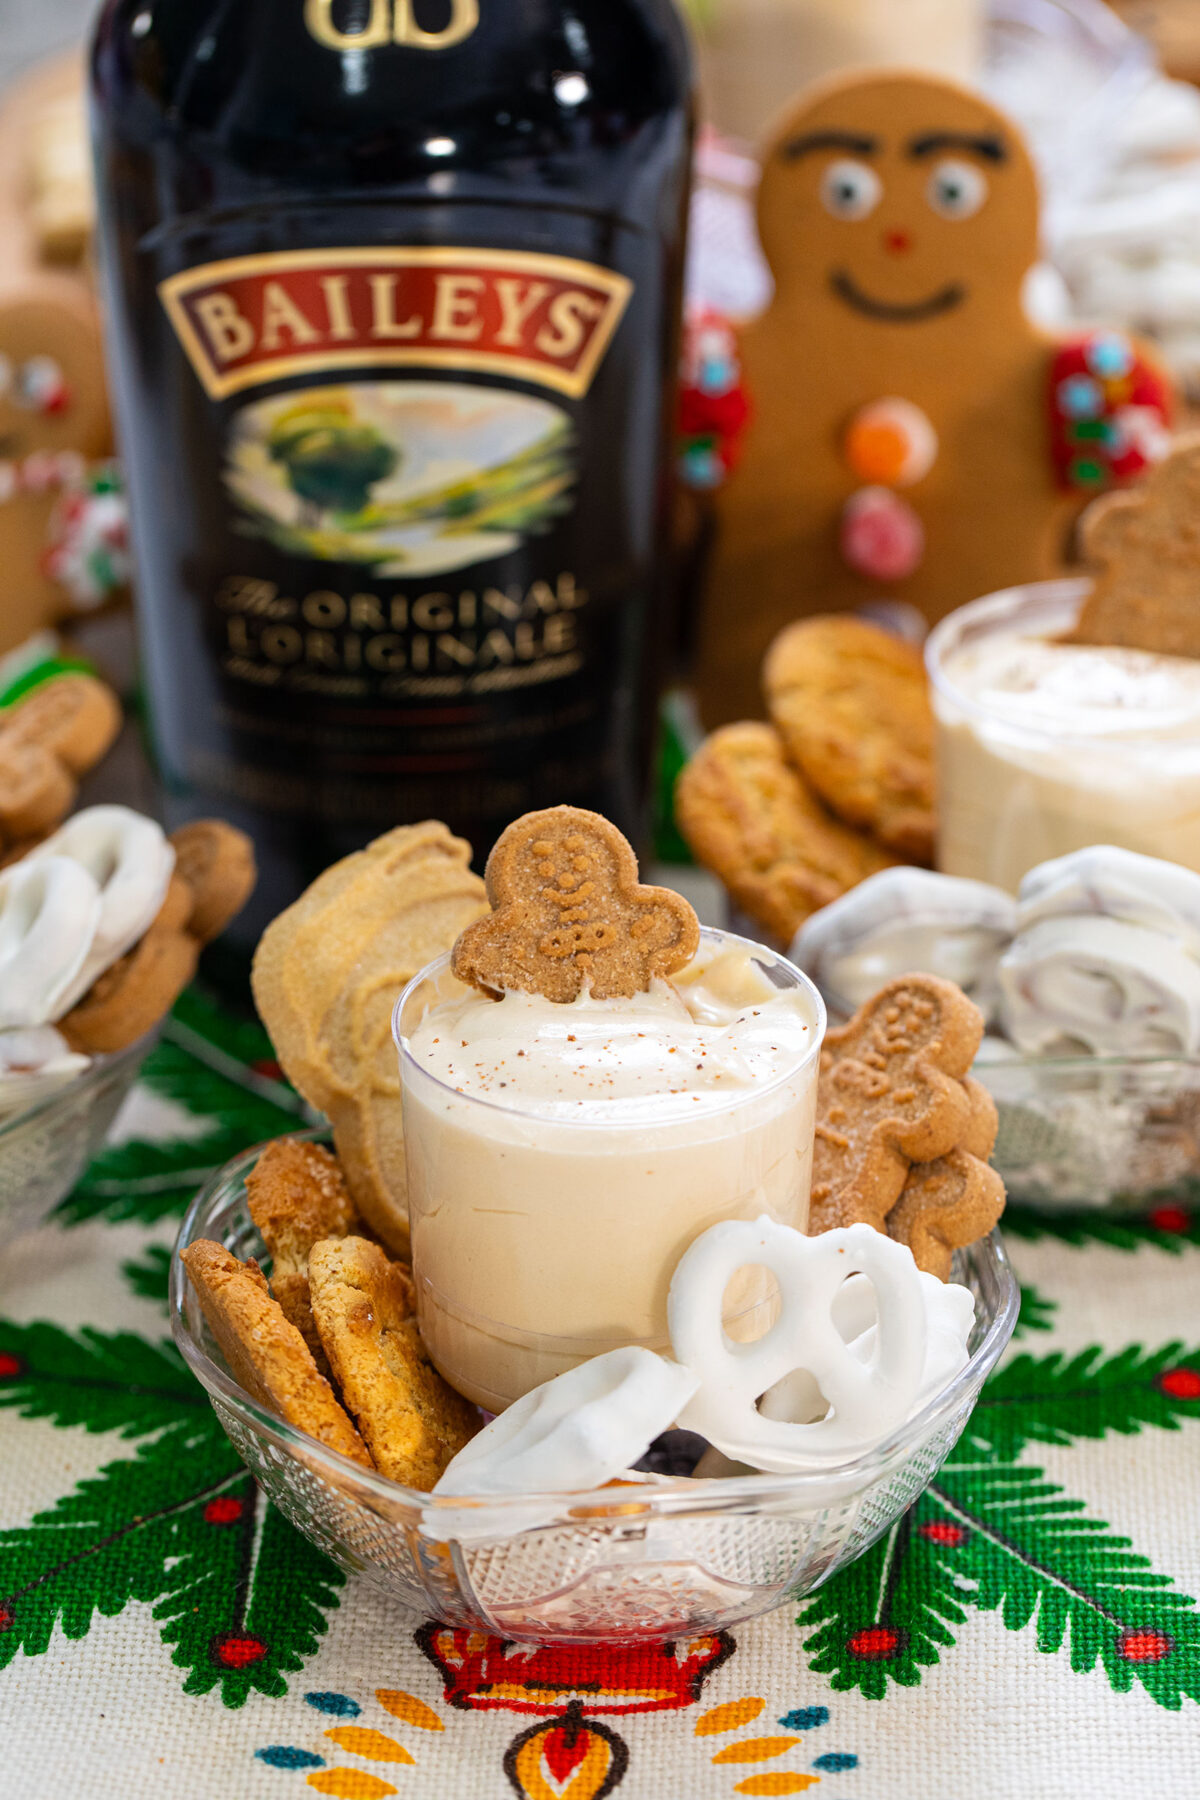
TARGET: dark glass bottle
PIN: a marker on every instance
(392, 290)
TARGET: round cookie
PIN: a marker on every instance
(851, 703)
(753, 820)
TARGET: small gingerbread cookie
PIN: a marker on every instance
(48, 739)
(413, 1421)
(569, 912)
(891, 1093)
(266, 1355)
(945, 1205)
(752, 819)
(297, 1195)
(217, 862)
(852, 705)
(326, 976)
(1144, 548)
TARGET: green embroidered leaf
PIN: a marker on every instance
(1168, 1227)
(1036, 1314)
(252, 1601)
(110, 1540)
(239, 1035)
(1053, 1400)
(149, 1274)
(886, 1616)
(102, 1381)
(1031, 1555)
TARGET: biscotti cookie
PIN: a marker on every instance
(297, 1195)
(266, 1355)
(413, 1421)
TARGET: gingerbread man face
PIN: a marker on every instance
(52, 394)
(899, 200)
(569, 912)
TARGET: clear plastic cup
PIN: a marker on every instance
(1015, 789)
(541, 1241)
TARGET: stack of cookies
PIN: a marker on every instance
(332, 1343)
(792, 814)
(903, 1132)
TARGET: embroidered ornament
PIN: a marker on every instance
(890, 443)
(881, 536)
(867, 1397)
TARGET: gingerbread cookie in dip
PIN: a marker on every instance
(1068, 713)
(603, 1083)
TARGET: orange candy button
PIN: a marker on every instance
(890, 443)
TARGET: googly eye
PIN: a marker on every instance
(850, 190)
(956, 189)
(39, 385)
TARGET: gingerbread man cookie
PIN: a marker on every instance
(1144, 547)
(915, 434)
(891, 1093)
(569, 912)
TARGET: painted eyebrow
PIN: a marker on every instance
(991, 147)
(853, 141)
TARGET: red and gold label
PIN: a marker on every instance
(252, 319)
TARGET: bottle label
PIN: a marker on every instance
(391, 22)
(547, 320)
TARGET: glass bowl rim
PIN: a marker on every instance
(1064, 588)
(566, 1122)
(103, 1065)
(671, 1494)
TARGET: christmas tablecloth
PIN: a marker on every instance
(1028, 1632)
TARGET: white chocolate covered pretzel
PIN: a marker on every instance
(901, 922)
(866, 1397)
(33, 1062)
(1099, 985)
(49, 912)
(575, 1432)
(1108, 882)
(130, 860)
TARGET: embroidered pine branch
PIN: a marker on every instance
(1168, 1227)
(103, 1381)
(1053, 1400)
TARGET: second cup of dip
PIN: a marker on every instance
(1045, 747)
(562, 1157)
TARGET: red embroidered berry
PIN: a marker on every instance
(266, 1065)
(1145, 1646)
(878, 1643)
(1181, 1384)
(6, 1618)
(9, 1365)
(1170, 1218)
(940, 1531)
(223, 1510)
(236, 1652)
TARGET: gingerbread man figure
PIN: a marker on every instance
(54, 417)
(916, 436)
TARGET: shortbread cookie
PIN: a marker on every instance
(891, 1093)
(1143, 546)
(413, 1421)
(326, 976)
(569, 912)
(751, 818)
(297, 1195)
(48, 739)
(266, 1355)
(851, 702)
(945, 1205)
